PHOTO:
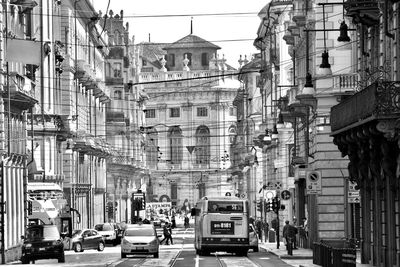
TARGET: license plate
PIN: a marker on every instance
(41, 249)
(226, 239)
(140, 248)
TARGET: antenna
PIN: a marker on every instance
(191, 25)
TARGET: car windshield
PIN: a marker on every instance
(139, 232)
(224, 206)
(42, 233)
(103, 227)
(76, 233)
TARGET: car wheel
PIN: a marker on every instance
(25, 260)
(100, 246)
(156, 255)
(123, 255)
(61, 258)
(78, 247)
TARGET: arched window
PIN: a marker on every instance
(175, 145)
(117, 95)
(153, 151)
(202, 145)
(189, 56)
(232, 134)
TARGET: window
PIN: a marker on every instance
(202, 112)
(204, 59)
(144, 62)
(152, 149)
(171, 60)
(189, 56)
(117, 70)
(175, 145)
(174, 112)
(232, 111)
(202, 145)
(118, 95)
(150, 113)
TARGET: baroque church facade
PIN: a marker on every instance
(190, 119)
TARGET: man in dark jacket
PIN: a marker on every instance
(289, 233)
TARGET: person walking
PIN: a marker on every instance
(266, 230)
(166, 233)
(186, 222)
(289, 233)
(169, 236)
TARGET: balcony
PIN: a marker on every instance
(299, 17)
(365, 12)
(289, 38)
(22, 91)
(101, 91)
(376, 102)
(280, 5)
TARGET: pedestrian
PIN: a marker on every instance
(266, 230)
(289, 233)
(166, 234)
(305, 226)
(169, 228)
(259, 228)
(251, 221)
(173, 221)
(186, 222)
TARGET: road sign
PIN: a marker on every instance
(285, 194)
(314, 184)
(353, 194)
(269, 194)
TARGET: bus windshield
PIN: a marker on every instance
(225, 207)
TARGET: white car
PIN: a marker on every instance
(140, 239)
(108, 231)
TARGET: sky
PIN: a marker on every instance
(234, 33)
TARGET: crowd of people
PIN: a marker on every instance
(292, 233)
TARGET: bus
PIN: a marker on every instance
(221, 224)
(47, 205)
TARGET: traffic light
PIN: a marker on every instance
(110, 209)
(276, 204)
(259, 205)
(143, 206)
(268, 205)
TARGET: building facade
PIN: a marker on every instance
(294, 38)
(365, 127)
(19, 95)
(83, 97)
(126, 170)
(188, 117)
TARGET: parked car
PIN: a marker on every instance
(87, 239)
(108, 231)
(42, 242)
(140, 239)
(253, 238)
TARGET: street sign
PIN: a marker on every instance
(313, 181)
(269, 194)
(285, 194)
(353, 194)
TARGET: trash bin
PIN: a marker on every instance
(271, 235)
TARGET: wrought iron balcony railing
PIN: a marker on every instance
(377, 101)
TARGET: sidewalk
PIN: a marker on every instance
(301, 257)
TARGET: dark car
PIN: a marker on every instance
(42, 242)
(87, 239)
